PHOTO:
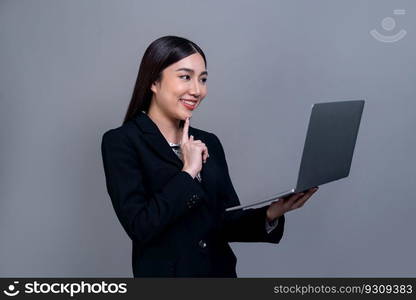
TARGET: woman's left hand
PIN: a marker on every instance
(283, 205)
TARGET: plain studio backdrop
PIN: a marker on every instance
(67, 71)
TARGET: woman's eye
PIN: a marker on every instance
(188, 77)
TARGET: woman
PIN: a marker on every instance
(169, 182)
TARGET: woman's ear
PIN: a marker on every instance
(153, 87)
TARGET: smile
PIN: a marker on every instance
(190, 104)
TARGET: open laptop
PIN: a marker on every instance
(329, 147)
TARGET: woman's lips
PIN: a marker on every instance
(188, 105)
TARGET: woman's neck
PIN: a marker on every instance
(168, 127)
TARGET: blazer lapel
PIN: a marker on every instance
(157, 141)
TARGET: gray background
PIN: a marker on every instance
(67, 70)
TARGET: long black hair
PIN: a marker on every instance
(160, 54)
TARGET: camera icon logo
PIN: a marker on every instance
(388, 24)
(11, 290)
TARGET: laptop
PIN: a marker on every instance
(328, 149)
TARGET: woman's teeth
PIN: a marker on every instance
(189, 102)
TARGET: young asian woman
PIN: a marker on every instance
(169, 182)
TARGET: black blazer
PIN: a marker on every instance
(178, 225)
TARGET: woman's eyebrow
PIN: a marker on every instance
(191, 71)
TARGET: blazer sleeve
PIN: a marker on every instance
(143, 216)
(244, 225)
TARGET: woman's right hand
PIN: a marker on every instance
(193, 152)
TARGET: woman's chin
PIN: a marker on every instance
(186, 115)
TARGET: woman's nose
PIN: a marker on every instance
(195, 90)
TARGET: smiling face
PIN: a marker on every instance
(183, 80)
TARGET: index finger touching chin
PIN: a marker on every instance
(185, 130)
